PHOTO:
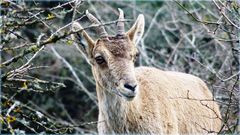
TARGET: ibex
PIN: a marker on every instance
(144, 100)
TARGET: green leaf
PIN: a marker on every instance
(50, 16)
(69, 42)
(24, 86)
(10, 119)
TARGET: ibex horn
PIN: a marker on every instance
(101, 30)
(120, 23)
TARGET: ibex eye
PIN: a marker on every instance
(99, 59)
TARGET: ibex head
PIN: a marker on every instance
(112, 57)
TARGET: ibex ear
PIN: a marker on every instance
(90, 42)
(136, 32)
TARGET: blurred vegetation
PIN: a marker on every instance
(47, 85)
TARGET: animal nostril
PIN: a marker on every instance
(130, 87)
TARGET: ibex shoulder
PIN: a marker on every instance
(154, 73)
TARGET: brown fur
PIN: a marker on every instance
(163, 102)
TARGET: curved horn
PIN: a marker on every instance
(120, 23)
(101, 30)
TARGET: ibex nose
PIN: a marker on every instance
(130, 87)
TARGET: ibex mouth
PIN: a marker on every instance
(125, 96)
(128, 97)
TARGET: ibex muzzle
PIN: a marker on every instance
(127, 85)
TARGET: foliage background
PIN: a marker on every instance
(47, 86)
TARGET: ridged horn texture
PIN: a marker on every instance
(120, 23)
(101, 30)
